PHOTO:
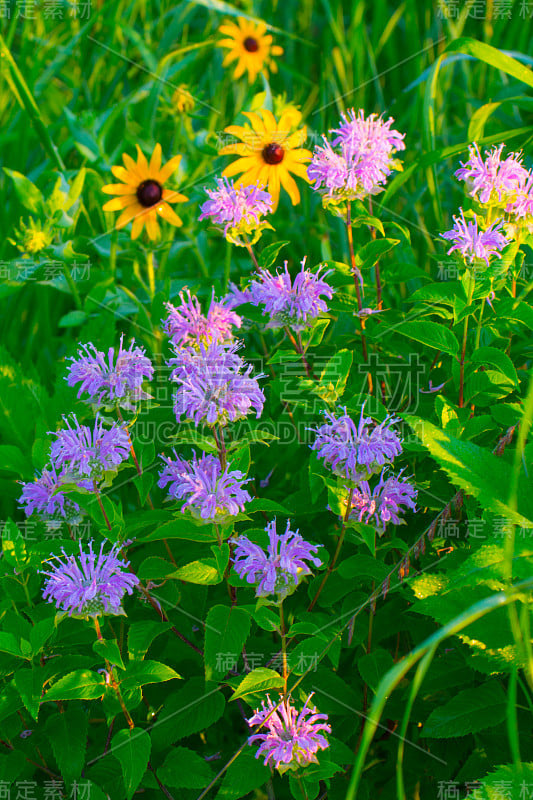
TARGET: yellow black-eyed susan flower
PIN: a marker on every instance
(250, 45)
(142, 196)
(269, 152)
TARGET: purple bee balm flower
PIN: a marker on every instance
(281, 568)
(291, 739)
(90, 584)
(492, 178)
(384, 503)
(40, 497)
(238, 210)
(473, 243)
(211, 493)
(112, 381)
(355, 452)
(84, 453)
(187, 325)
(522, 203)
(294, 303)
(216, 386)
(362, 161)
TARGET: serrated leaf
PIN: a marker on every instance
(431, 334)
(226, 631)
(469, 711)
(132, 749)
(477, 471)
(243, 776)
(204, 571)
(185, 769)
(189, 710)
(142, 634)
(81, 684)
(108, 649)
(496, 358)
(258, 680)
(507, 782)
(139, 673)
(67, 733)
(29, 683)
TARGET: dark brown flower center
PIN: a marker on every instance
(251, 44)
(273, 153)
(149, 193)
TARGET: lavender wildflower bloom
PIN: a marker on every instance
(238, 210)
(385, 503)
(473, 243)
(295, 303)
(521, 205)
(38, 498)
(211, 493)
(82, 452)
(355, 452)
(362, 162)
(111, 382)
(281, 568)
(215, 385)
(187, 325)
(291, 739)
(90, 584)
(492, 178)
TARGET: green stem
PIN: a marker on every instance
(478, 332)
(356, 272)
(26, 99)
(283, 647)
(72, 285)
(102, 509)
(463, 348)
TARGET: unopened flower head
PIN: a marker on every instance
(215, 385)
(115, 380)
(238, 210)
(42, 498)
(187, 325)
(390, 497)
(279, 570)
(493, 179)
(210, 493)
(84, 453)
(289, 738)
(295, 303)
(90, 584)
(358, 160)
(353, 451)
(472, 243)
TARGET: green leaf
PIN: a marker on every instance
(142, 634)
(12, 459)
(370, 253)
(8, 644)
(29, 683)
(189, 710)
(80, 684)
(28, 194)
(431, 334)
(182, 528)
(258, 680)
(139, 673)
(185, 769)
(41, 633)
(108, 649)
(374, 666)
(477, 471)
(469, 711)
(132, 748)
(243, 776)
(496, 358)
(508, 782)
(203, 572)
(269, 254)
(67, 733)
(226, 631)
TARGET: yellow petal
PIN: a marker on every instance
(170, 196)
(231, 56)
(276, 50)
(138, 225)
(169, 168)
(118, 188)
(152, 226)
(296, 139)
(270, 120)
(169, 214)
(123, 175)
(117, 203)
(298, 169)
(133, 168)
(289, 184)
(273, 187)
(239, 69)
(229, 29)
(299, 156)
(155, 161)
(290, 119)
(127, 215)
(241, 165)
(142, 163)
